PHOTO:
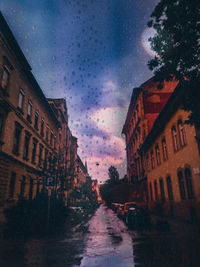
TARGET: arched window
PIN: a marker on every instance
(21, 99)
(169, 188)
(134, 120)
(164, 149)
(137, 112)
(181, 133)
(152, 160)
(136, 115)
(22, 186)
(31, 189)
(158, 159)
(156, 190)
(174, 138)
(151, 193)
(162, 190)
(147, 162)
(189, 185)
(181, 185)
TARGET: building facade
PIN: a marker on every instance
(172, 162)
(28, 126)
(59, 107)
(146, 103)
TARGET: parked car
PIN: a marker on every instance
(114, 206)
(127, 206)
(120, 211)
(78, 210)
(138, 218)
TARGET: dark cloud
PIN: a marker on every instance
(77, 47)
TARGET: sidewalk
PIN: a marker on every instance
(177, 224)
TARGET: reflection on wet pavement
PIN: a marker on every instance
(108, 243)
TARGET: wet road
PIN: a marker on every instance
(105, 241)
(108, 243)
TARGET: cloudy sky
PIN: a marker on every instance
(93, 53)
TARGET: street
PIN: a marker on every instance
(110, 243)
(106, 241)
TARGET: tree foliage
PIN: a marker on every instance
(107, 187)
(177, 44)
(113, 174)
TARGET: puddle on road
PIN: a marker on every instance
(116, 239)
(108, 243)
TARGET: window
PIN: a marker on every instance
(26, 145)
(151, 193)
(22, 186)
(181, 185)
(156, 190)
(12, 185)
(45, 159)
(137, 112)
(29, 111)
(51, 138)
(152, 160)
(134, 121)
(169, 188)
(1, 124)
(50, 162)
(158, 159)
(47, 133)
(36, 119)
(40, 155)
(17, 134)
(42, 127)
(162, 190)
(21, 99)
(174, 138)
(38, 188)
(144, 134)
(54, 163)
(54, 141)
(164, 149)
(31, 189)
(181, 133)
(147, 162)
(5, 78)
(34, 147)
(138, 168)
(189, 185)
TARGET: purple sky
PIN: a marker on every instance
(93, 53)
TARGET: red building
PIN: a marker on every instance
(146, 103)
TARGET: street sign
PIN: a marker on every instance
(50, 181)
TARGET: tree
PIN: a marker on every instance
(107, 188)
(105, 191)
(177, 44)
(113, 175)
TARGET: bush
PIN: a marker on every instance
(30, 218)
